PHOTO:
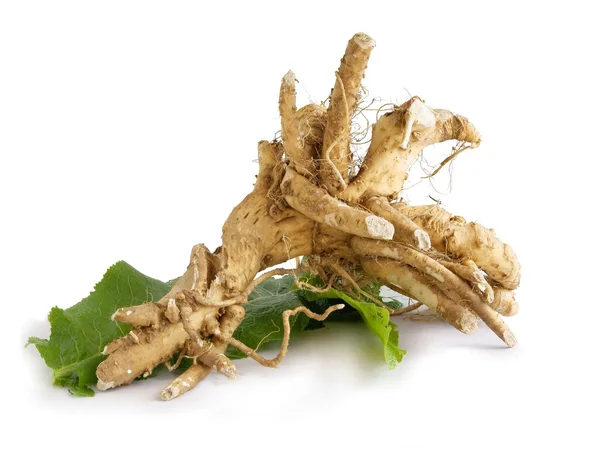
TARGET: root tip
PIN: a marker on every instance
(364, 41)
(172, 312)
(479, 276)
(169, 393)
(103, 385)
(289, 78)
(469, 325)
(422, 239)
(380, 228)
(229, 371)
(509, 338)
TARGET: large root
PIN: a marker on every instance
(336, 154)
(305, 203)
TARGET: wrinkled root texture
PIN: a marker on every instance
(307, 203)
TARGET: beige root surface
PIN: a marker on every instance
(305, 202)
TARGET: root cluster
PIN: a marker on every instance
(353, 228)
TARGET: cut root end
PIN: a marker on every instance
(509, 338)
(422, 240)
(364, 41)
(379, 228)
(169, 393)
(104, 386)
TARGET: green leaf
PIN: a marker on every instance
(375, 317)
(81, 391)
(378, 321)
(263, 322)
(79, 333)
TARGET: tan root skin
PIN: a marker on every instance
(305, 202)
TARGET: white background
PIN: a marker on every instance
(128, 130)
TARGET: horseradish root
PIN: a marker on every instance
(349, 226)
